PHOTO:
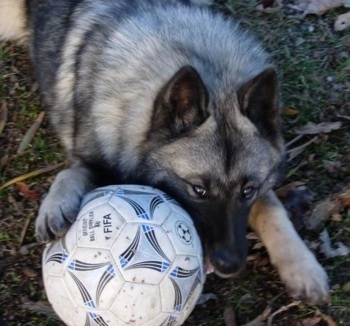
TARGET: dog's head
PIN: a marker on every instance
(216, 151)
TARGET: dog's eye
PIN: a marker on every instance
(200, 191)
(248, 192)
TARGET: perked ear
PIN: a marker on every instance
(182, 103)
(259, 101)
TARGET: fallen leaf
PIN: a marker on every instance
(283, 191)
(205, 297)
(337, 217)
(346, 287)
(344, 198)
(319, 7)
(329, 320)
(229, 317)
(327, 207)
(330, 250)
(342, 22)
(29, 272)
(290, 112)
(26, 192)
(324, 127)
(313, 321)
(321, 212)
(3, 115)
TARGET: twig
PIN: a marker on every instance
(259, 319)
(282, 309)
(24, 250)
(6, 160)
(24, 231)
(3, 116)
(31, 133)
(32, 174)
(299, 149)
(294, 140)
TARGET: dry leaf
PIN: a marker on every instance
(229, 317)
(327, 207)
(3, 115)
(290, 112)
(329, 320)
(29, 272)
(330, 250)
(342, 22)
(324, 127)
(344, 198)
(284, 190)
(313, 321)
(319, 7)
(26, 192)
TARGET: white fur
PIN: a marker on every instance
(298, 268)
(13, 20)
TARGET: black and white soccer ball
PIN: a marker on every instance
(133, 257)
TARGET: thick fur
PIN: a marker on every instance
(173, 95)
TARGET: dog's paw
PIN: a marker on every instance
(57, 212)
(305, 279)
(60, 207)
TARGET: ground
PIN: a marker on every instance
(313, 61)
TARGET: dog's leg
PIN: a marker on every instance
(60, 207)
(303, 276)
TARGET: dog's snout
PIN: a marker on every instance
(226, 263)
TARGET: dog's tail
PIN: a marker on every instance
(13, 20)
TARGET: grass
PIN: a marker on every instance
(314, 68)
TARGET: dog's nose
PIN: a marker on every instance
(226, 263)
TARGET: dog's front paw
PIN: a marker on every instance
(57, 212)
(61, 206)
(305, 279)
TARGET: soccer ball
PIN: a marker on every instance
(133, 257)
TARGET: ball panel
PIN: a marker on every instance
(137, 304)
(55, 258)
(98, 226)
(92, 278)
(98, 195)
(182, 283)
(143, 253)
(183, 234)
(164, 319)
(84, 317)
(140, 203)
(59, 297)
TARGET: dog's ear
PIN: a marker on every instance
(182, 103)
(259, 101)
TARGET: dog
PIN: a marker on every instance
(173, 95)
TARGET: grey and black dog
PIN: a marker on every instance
(173, 95)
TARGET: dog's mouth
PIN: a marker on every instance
(210, 268)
